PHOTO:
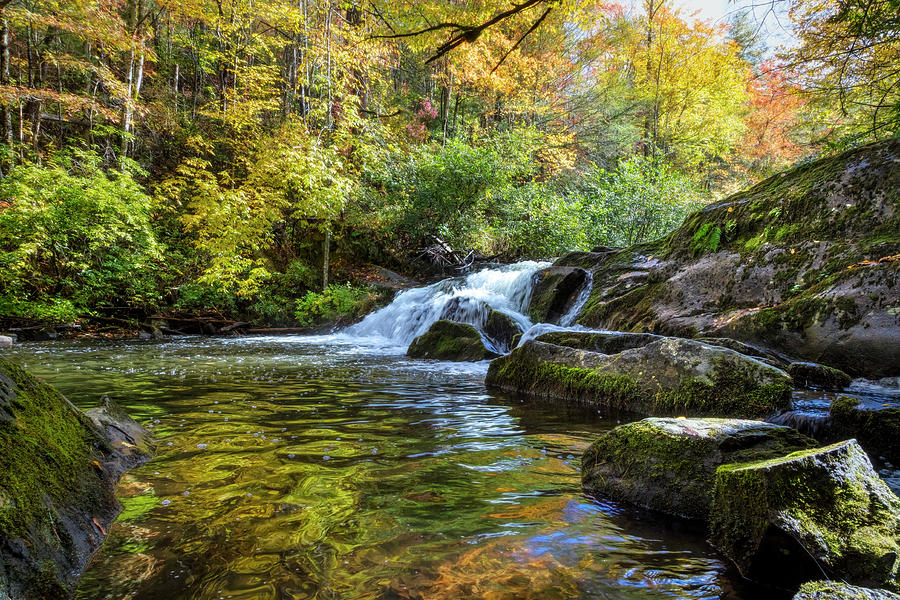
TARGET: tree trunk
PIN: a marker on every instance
(5, 115)
(326, 258)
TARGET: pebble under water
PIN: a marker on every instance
(295, 467)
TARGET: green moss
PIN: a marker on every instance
(726, 395)
(446, 340)
(46, 451)
(878, 431)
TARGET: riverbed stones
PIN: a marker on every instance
(812, 511)
(58, 470)
(838, 590)
(877, 428)
(667, 377)
(808, 374)
(555, 290)
(447, 340)
(669, 464)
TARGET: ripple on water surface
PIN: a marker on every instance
(327, 468)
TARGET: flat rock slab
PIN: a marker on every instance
(812, 511)
(666, 377)
(606, 342)
(669, 464)
(814, 375)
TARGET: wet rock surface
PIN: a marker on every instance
(555, 291)
(807, 374)
(813, 511)
(447, 340)
(58, 470)
(668, 376)
(669, 465)
(877, 428)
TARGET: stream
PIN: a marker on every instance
(333, 467)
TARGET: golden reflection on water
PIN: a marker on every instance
(289, 470)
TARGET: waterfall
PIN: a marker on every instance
(467, 299)
(579, 302)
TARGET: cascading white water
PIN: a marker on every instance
(585, 293)
(465, 299)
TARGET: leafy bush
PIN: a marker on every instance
(344, 302)
(74, 237)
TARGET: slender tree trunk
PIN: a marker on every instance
(326, 258)
(5, 113)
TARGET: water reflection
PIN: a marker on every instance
(298, 468)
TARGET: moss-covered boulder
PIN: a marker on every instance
(876, 428)
(807, 374)
(446, 340)
(813, 511)
(667, 377)
(555, 291)
(804, 263)
(766, 355)
(501, 329)
(58, 469)
(670, 464)
(605, 342)
(838, 590)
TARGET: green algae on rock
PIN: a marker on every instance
(446, 340)
(606, 342)
(669, 465)
(667, 377)
(811, 512)
(58, 468)
(501, 330)
(837, 590)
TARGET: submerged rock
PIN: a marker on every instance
(876, 428)
(804, 263)
(669, 376)
(670, 464)
(837, 590)
(446, 340)
(58, 470)
(807, 374)
(555, 291)
(813, 511)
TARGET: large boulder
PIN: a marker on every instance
(555, 291)
(670, 376)
(447, 340)
(58, 470)
(670, 464)
(805, 263)
(877, 428)
(5, 341)
(811, 512)
(838, 590)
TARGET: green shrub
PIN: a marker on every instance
(336, 302)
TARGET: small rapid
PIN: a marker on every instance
(467, 299)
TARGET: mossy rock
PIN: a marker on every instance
(667, 377)
(555, 290)
(802, 263)
(446, 340)
(607, 342)
(789, 519)
(877, 429)
(501, 330)
(669, 465)
(768, 356)
(837, 590)
(808, 374)
(58, 470)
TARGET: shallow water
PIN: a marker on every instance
(327, 467)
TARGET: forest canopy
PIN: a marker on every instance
(255, 157)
